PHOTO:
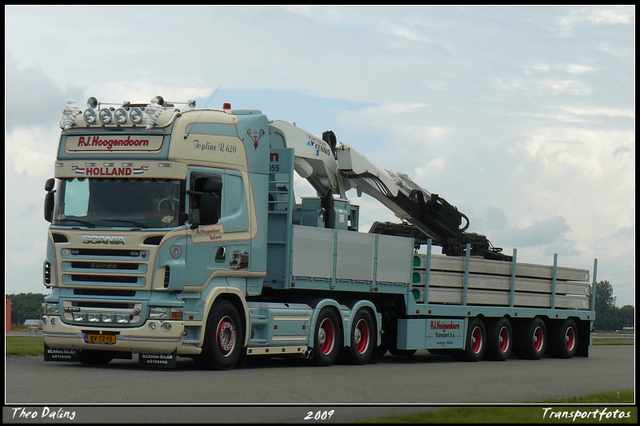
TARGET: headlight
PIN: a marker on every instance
(165, 313)
(51, 309)
(79, 316)
(123, 319)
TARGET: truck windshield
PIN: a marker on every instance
(140, 203)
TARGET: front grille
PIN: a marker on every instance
(104, 279)
(104, 267)
(105, 252)
(102, 292)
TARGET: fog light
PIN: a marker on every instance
(166, 326)
(53, 321)
(152, 326)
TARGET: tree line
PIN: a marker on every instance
(25, 306)
(608, 315)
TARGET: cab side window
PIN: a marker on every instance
(205, 199)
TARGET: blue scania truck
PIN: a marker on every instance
(175, 232)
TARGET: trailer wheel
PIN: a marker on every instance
(564, 340)
(475, 342)
(223, 339)
(531, 341)
(327, 337)
(499, 340)
(362, 338)
(95, 357)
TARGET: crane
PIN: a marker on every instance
(335, 169)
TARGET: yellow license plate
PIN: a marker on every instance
(107, 339)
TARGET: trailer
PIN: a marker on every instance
(175, 231)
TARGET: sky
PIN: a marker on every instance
(521, 116)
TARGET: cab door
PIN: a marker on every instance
(218, 230)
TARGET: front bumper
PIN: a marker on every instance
(141, 339)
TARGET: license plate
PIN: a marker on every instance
(107, 339)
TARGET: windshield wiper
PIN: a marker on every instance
(84, 222)
(133, 222)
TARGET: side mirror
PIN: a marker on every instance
(49, 199)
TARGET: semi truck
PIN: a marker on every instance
(175, 232)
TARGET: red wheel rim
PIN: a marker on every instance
(570, 338)
(538, 339)
(476, 340)
(361, 336)
(226, 336)
(504, 339)
(326, 336)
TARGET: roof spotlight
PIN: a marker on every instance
(136, 115)
(90, 116)
(120, 116)
(105, 115)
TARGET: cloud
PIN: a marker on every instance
(32, 98)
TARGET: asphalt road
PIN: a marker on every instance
(285, 390)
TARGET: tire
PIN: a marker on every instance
(363, 342)
(475, 342)
(224, 338)
(499, 340)
(531, 341)
(95, 357)
(327, 337)
(564, 340)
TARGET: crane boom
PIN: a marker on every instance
(335, 169)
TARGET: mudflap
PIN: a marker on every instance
(67, 355)
(158, 360)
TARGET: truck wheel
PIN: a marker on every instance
(223, 339)
(532, 340)
(362, 338)
(95, 357)
(564, 340)
(475, 344)
(327, 337)
(499, 340)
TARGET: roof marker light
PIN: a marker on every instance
(226, 106)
